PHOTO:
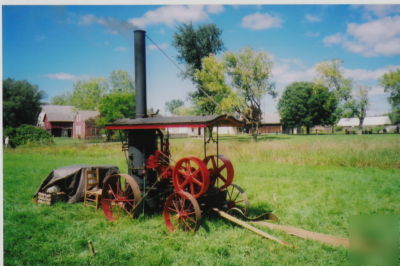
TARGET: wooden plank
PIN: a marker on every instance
(323, 238)
(249, 227)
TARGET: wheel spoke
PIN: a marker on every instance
(197, 182)
(182, 173)
(237, 195)
(192, 188)
(184, 183)
(214, 164)
(196, 172)
(172, 210)
(222, 177)
(221, 168)
(186, 224)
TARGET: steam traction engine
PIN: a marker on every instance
(184, 189)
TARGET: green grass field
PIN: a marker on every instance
(313, 182)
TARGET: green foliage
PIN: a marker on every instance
(63, 99)
(236, 85)
(307, 104)
(357, 107)
(87, 95)
(173, 105)
(121, 81)
(185, 111)
(28, 134)
(249, 72)
(212, 79)
(21, 103)
(115, 106)
(391, 82)
(312, 182)
(193, 44)
(329, 74)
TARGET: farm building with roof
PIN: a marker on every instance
(372, 121)
(66, 121)
(270, 123)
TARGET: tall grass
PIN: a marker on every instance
(314, 182)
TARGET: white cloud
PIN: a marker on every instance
(312, 18)
(171, 15)
(152, 47)
(333, 39)
(112, 25)
(39, 38)
(62, 76)
(374, 38)
(367, 74)
(121, 49)
(258, 21)
(378, 10)
(215, 9)
(312, 34)
(66, 76)
(376, 90)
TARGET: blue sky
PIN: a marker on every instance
(54, 46)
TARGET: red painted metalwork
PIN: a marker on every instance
(220, 170)
(190, 174)
(121, 127)
(120, 196)
(181, 211)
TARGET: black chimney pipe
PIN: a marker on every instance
(140, 73)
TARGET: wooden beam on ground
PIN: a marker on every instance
(249, 227)
(327, 239)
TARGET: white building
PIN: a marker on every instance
(372, 121)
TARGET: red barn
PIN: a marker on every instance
(66, 121)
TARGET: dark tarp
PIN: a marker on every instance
(71, 181)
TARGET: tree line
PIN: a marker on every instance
(232, 83)
(235, 83)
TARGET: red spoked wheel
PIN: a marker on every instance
(190, 175)
(120, 196)
(236, 197)
(221, 171)
(181, 211)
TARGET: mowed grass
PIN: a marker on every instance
(313, 182)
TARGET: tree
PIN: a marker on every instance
(212, 78)
(193, 44)
(391, 82)
(249, 73)
(173, 105)
(63, 99)
(358, 106)
(307, 104)
(115, 106)
(121, 81)
(87, 95)
(330, 75)
(21, 103)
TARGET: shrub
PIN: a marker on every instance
(28, 134)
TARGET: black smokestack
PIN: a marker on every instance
(140, 73)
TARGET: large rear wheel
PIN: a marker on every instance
(190, 175)
(220, 170)
(120, 196)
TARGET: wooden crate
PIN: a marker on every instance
(50, 198)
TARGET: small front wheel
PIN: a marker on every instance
(236, 197)
(181, 211)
